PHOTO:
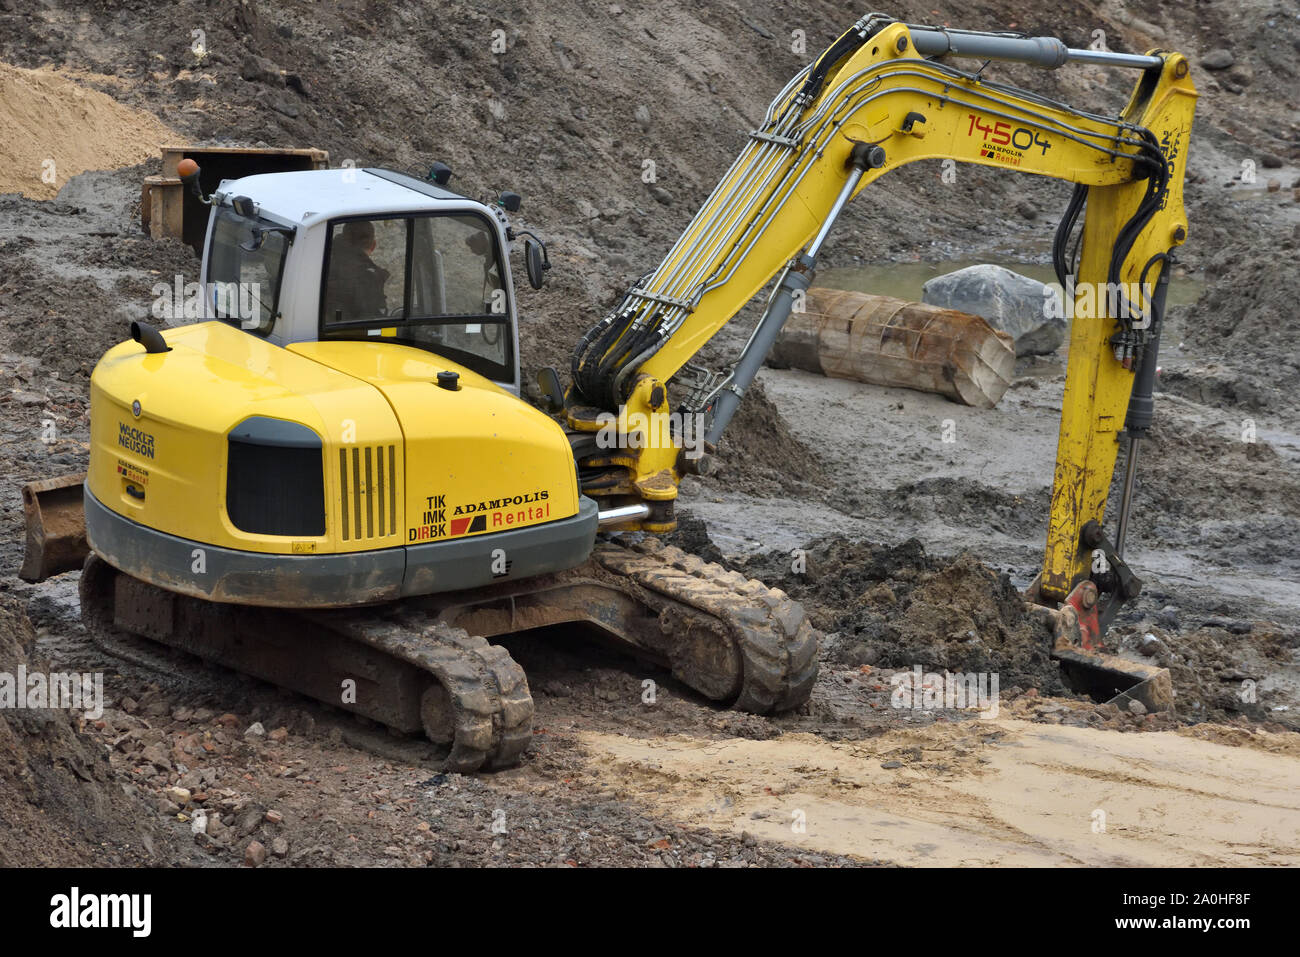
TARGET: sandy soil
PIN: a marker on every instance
(914, 545)
(976, 794)
(54, 126)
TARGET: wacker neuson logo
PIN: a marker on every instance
(76, 910)
(135, 440)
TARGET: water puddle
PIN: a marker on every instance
(904, 280)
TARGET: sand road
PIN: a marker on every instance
(978, 793)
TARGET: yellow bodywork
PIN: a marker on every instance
(886, 94)
(452, 456)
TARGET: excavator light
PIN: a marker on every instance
(188, 172)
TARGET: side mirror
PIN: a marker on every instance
(548, 383)
(536, 262)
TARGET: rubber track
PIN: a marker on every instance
(491, 704)
(778, 646)
(97, 616)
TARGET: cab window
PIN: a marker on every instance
(245, 267)
(432, 281)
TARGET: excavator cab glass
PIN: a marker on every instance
(245, 268)
(433, 281)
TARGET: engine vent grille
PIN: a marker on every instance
(368, 491)
(274, 481)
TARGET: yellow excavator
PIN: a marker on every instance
(333, 484)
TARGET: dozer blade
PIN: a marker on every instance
(1088, 669)
(56, 527)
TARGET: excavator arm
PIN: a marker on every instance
(882, 95)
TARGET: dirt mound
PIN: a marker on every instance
(1247, 316)
(1216, 678)
(897, 607)
(966, 617)
(1225, 670)
(759, 453)
(52, 127)
(59, 799)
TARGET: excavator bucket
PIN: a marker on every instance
(56, 527)
(1090, 670)
(1111, 678)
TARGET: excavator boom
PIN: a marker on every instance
(881, 96)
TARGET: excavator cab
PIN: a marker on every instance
(365, 254)
(353, 388)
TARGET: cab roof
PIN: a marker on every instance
(309, 196)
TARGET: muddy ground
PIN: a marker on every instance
(913, 547)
